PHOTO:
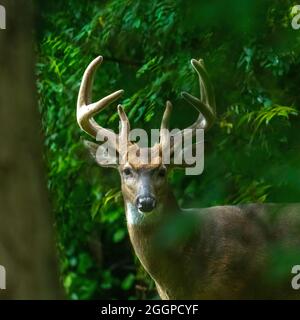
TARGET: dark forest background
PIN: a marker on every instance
(251, 154)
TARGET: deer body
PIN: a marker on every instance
(224, 252)
(224, 255)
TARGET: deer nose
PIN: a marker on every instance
(145, 203)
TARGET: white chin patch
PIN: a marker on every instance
(136, 217)
(145, 213)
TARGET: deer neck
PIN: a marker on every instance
(144, 230)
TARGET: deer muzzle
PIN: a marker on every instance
(145, 203)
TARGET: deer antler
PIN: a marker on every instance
(86, 110)
(164, 135)
(205, 105)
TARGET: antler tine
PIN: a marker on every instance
(86, 110)
(206, 104)
(123, 141)
(164, 137)
(125, 125)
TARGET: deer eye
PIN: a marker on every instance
(127, 172)
(162, 172)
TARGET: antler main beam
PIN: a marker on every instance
(87, 110)
(206, 105)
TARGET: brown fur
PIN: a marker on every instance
(225, 253)
(135, 159)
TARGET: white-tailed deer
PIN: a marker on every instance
(223, 252)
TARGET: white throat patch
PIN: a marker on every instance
(136, 217)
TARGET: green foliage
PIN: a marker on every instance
(252, 153)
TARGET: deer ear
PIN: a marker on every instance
(105, 157)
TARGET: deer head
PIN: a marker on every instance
(144, 183)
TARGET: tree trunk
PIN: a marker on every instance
(26, 227)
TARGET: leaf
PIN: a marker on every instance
(119, 235)
(128, 282)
